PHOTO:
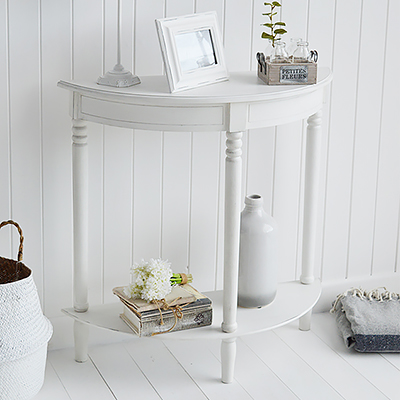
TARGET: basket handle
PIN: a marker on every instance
(21, 236)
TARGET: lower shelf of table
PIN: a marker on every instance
(293, 300)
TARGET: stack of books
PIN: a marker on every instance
(187, 309)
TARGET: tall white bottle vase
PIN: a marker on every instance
(258, 263)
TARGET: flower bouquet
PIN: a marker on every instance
(160, 301)
(153, 280)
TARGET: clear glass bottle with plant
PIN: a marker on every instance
(278, 52)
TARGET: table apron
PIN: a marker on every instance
(197, 118)
(154, 117)
(283, 111)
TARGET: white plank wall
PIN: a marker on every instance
(160, 194)
(5, 175)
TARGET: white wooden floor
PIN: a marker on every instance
(284, 364)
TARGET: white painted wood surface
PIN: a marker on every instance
(80, 214)
(47, 41)
(313, 150)
(280, 312)
(281, 364)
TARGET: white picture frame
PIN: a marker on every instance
(192, 51)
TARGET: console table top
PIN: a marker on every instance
(241, 87)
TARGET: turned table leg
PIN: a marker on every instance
(313, 145)
(81, 338)
(228, 355)
(305, 321)
(80, 232)
(233, 181)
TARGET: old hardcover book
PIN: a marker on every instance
(195, 314)
(179, 295)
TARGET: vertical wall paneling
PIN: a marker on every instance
(117, 209)
(295, 14)
(321, 26)
(366, 139)
(287, 207)
(388, 190)
(173, 8)
(148, 59)
(261, 164)
(25, 121)
(88, 56)
(147, 195)
(237, 34)
(199, 258)
(57, 206)
(88, 39)
(177, 175)
(258, 44)
(4, 132)
(127, 34)
(204, 208)
(110, 33)
(212, 5)
(340, 154)
(148, 153)
(176, 198)
(118, 159)
(288, 163)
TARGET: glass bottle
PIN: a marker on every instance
(258, 264)
(268, 50)
(302, 53)
(279, 53)
(293, 45)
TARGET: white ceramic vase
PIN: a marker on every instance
(258, 264)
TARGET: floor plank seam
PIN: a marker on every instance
(234, 378)
(102, 377)
(49, 363)
(273, 372)
(140, 369)
(351, 366)
(390, 362)
(312, 368)
(186, 371)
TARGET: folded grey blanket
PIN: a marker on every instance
(369, 321)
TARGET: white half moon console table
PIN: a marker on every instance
(244, 102)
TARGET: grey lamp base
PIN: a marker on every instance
(118, 77)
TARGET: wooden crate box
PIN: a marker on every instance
(288, 73)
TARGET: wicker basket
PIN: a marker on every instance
(24, 330)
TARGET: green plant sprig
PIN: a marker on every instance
(272, 25)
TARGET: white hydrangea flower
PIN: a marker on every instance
(150, 280)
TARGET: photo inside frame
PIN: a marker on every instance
(195, 50)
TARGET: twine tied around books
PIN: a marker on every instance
(176, 309)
